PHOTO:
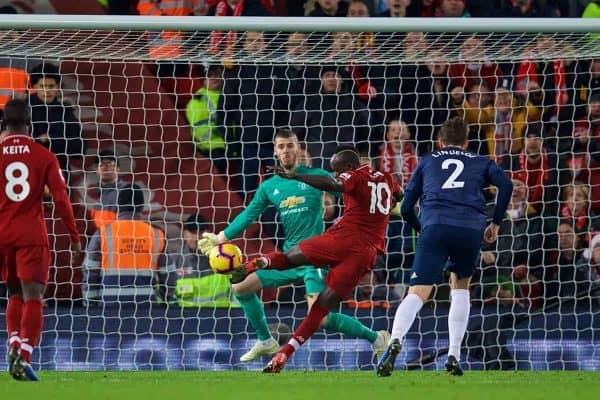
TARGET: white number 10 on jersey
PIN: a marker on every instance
(378, 199)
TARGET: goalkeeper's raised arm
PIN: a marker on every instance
(298, 205)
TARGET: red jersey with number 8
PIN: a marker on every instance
(25, 169)
(368, 201)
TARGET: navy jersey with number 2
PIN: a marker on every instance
(449, 184)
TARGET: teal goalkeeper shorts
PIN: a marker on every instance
(313, 278)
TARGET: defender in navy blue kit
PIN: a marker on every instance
(449, 183)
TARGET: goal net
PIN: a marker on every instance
(189, 117)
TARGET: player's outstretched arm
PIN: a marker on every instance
(412, 193)
(257, 206)
(58, 188)
(498, 178)
(322, 182)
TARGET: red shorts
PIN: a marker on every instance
(348, 257)
(24, 264)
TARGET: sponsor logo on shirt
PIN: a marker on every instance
(292, 201)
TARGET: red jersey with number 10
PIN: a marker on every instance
(25, 169)
(368, 201)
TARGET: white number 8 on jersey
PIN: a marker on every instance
(14, 181)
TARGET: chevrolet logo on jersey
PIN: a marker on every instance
(291, 202)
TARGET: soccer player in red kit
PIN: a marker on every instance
(349, 247)
(26, 168)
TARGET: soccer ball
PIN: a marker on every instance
(224, 258)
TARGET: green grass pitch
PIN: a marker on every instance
(316, 385)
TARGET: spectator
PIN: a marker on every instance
(104, 196)
(397, 155)
(397, 9)
(479, 96)
(452, 9)
(501, 126)
(555, 78)
(343, 46)
(201, 114)
(520, 237)
(166, 46)
(196, 284)
(475, 69)
(299, 78)
(498, 290)
(364, 41)
(252, 105)
(563, 280)
(530, 9)
(53, 122)
(330, 117)
(329, 8)
(592, 10)
(581, 149)
(224, 46)
(588, 82)
(13, 79)
(126, 258)
(358, 9)
(418, 91)
(538, 169)
(590, 266)
(189, 262)
(576, 211)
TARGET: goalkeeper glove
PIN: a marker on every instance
(209, 241)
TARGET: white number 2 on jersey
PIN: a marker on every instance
(15, 180)
(377, 198)
(451, 182)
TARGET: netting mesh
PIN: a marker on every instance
(369, 47)
(194, 132)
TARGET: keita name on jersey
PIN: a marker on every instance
(16, 149)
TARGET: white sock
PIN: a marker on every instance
(458, 318)
(405, 315)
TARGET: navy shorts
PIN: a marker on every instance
(439, 246)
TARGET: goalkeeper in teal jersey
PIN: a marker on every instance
(300, 209)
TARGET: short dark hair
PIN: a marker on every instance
(214, 70)
(285, 134)
(107, 155)
(44, 70)
(131, 198)
(348, 153)
(195, 223)
(16, 114)
(454, 132)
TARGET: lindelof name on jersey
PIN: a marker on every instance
(452, 152)
(15, 149)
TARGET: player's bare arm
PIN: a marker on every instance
(322, 182)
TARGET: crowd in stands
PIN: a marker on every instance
(539, 119)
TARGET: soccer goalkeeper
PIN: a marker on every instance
(300, 209)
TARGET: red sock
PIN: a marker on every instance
(13, 320)
(307, 328)
(31, 327)
(278, 260)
